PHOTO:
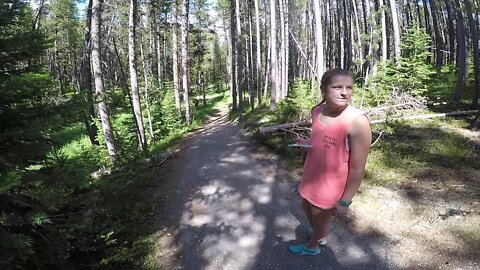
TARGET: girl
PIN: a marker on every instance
(335, 163)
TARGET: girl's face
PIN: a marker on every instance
(339, 91)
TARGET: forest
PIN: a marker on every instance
(96, 95)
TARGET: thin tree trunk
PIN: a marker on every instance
(240, 61)
(145, 78)
(229, 58)
(267, 68)
(282, 53)
(396, 30)
(87, 79)
(273, 57)
(438, 38)
(384, 31)
(318, 43)
(250, 59)
(36, 22)
(359, 36)
(97, 74)
(474, 40)
(132, 56)
(451, 31)
(185, 8)
(176, 85)
(461, 53)
(258, 65)
(233, 37)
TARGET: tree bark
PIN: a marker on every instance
(87, 79)
(258, 66)
(132, 56)
(240, 61)
(234, 52)
(185, 73)
(461, 53)
(318, 43)
(438, 38)
(474, 40)
(273, 57)
(384, 31)
(176, 85)
(147, 100)
(97, 74)
(251, 79)
(396, 31)
(451, 31)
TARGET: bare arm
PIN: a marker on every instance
(360, 140)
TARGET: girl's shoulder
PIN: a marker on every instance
(354, 113)
(318, 108)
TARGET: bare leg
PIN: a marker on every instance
(308, 212)
(321, 219)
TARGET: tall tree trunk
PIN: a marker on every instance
(97, 74)
(396, 30)
(282, 53)
(273, 57)
(251, 78)
(176, 85)
(461, 53)
(147, 100)
(438, 38)
(229, 58)
(240, 61)
(318, 43)
(359, 36)
(185, 82)
(233, 37)
(451, 31)
(87, 79)
(476, 63)
(132, 57)
(384, 31)
(41, 5)
(258, 66)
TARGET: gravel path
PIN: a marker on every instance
(236, 207)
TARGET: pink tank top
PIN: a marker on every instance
(326, 168)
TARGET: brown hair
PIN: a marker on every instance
(327, 79)
(328, 75)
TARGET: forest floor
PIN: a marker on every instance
(228, 202)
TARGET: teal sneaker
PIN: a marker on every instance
(322, 242)
(303, 250)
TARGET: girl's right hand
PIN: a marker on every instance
(300, 140)
(303, 141)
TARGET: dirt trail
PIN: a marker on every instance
(230, 204)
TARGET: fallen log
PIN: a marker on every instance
(426, 116)
(271, 129)
(275, 128)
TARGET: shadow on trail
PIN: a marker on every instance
(235, 207)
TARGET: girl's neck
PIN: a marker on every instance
(333, 112)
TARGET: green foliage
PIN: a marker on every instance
(166, 116)
(9, 180)
(297, 105)
(19, 43)
(410, 76)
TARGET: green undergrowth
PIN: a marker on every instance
(56, 216)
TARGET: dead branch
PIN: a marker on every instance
(272, 129)
(426, 116)
(155, 160)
